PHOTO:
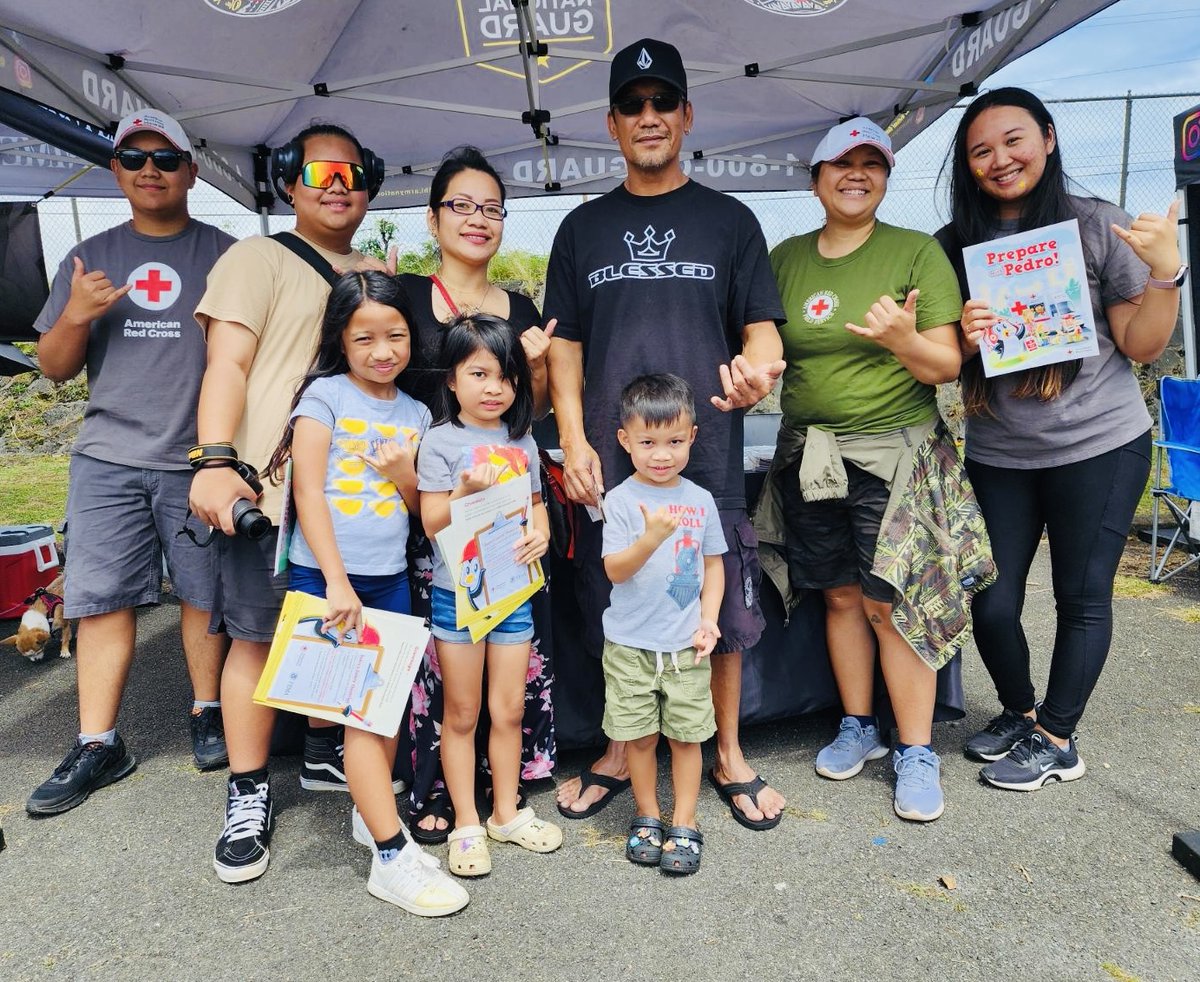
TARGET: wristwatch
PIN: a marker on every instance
(1172, 284)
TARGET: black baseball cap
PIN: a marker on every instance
(647, 58)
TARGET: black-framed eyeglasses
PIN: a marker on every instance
(465, 206)
(663, 102)
(165, 160)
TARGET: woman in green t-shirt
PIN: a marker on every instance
(872, 328)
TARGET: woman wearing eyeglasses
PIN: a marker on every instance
(466, 217)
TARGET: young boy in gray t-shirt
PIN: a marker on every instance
(662, 550)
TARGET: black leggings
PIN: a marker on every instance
(1086, 509)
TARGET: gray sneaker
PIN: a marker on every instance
(852, 747)
(1001, 734)
(1033, 762)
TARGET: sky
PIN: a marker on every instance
(1147, 46)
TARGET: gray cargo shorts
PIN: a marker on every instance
(121, 522)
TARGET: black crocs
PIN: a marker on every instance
(680, 854)
(644, 845)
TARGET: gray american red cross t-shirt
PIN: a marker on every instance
(146, 355)
(658, 608)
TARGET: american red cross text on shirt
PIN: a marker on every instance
(154, 285)
(818, 306)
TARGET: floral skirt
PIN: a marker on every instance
(419, 759)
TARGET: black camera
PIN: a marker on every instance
(248, 519)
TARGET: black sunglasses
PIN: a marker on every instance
(167, 160)
(663, 102)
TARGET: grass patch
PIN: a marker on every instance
(1189, 615)
(1135, 587)
(1118, 973)
(33, 490)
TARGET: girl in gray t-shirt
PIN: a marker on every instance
(482, 414)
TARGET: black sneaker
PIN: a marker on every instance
(208, 739)
(999, 737)
(87, 767)
(324, 767)
(1033, 762)
(242, 852)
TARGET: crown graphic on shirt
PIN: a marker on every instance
(649, 249)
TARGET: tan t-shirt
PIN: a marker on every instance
(270, 290)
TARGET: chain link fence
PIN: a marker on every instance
(1128, 162)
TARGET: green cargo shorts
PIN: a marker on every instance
(650, 692)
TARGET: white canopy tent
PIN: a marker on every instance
(525, 80)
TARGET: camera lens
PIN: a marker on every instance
(249, 520)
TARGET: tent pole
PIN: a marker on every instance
(1187, 312)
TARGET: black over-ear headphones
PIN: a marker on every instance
(287, 160)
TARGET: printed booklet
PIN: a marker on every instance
(477, 547)
(1036, 284)
(360, 681)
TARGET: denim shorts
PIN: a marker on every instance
(387, 592)
(249, 592)
(516, 628)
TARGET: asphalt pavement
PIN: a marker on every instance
(1074, 882)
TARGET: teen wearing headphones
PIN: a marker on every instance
(261, 314)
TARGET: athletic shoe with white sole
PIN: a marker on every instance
(1033, 762)
(242, 852)
(1001, 734)
(413, 881)
(918, 785)
(854, 745)
(324, 767)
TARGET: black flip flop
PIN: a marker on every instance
(750, 789)
(438, 805)
(587, 778)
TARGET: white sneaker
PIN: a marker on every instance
(411, 882)
(362, 835)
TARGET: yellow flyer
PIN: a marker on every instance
(362, 681)
(478, 550)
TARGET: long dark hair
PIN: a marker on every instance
(349, 293)
(461, 338)
(975, 218)
(455, 162)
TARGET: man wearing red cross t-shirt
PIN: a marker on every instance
(121, 307)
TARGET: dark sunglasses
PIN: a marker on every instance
(663, 102)
(166, 160)
(320, 174)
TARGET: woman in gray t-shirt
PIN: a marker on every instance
(1063, 448)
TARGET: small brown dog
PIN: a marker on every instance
(43, 618)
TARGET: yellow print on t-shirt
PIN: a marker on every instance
(357, 488)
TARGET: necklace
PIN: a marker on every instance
(460, 308)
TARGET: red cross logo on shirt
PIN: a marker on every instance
(854, 133)
(154, 285)
(820, 306)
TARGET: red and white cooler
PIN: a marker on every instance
(28, 560)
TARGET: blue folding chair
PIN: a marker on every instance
(1179, 441)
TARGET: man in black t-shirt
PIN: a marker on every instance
(664, 275)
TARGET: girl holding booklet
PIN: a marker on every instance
(352, 439)
(1063, 448)
(482, 413)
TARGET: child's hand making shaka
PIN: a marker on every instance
(705, 638)
(660, 524)
(395, 461)
(479, 478)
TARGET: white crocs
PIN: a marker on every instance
(527, 831)
(469, 855)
